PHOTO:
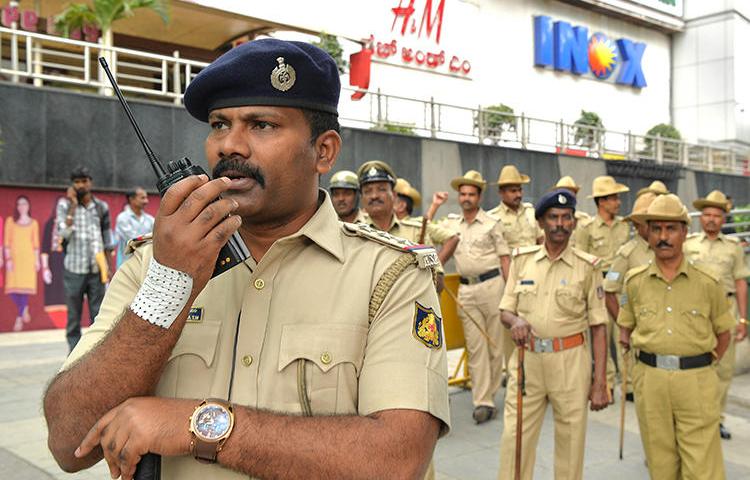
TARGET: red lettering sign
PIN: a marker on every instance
(10, 15)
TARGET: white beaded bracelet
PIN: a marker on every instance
(163, 295)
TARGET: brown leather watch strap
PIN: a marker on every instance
(203, 451)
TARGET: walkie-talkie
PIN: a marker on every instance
(235, 251)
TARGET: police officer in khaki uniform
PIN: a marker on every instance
(634, 253)
(602, 236)
(280, 377)
(519, 225)
(407, 197)
(482, 260)
(377, 181)
(552, 297)
(344, 190)
(582, 218)
(725, 257)
(676, 317)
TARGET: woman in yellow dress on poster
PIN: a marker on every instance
(22, 260)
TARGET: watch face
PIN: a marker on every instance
(212, 421)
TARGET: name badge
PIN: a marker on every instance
(195, 315)
(527, 282)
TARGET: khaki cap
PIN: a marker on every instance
(472, 177)
(666, 208)
(567, 182)
(656, 187)
(510, 175)
(403, 187)
(714, 199)
(641, 205)
(606, 185)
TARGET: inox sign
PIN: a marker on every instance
(570, 49)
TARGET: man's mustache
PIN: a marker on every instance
(374, 201)
(560, 230)
(237, 164)
(663, 243)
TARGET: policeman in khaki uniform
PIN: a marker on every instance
(675, 315)
(377, 181)
(634, 253)
(344, 190)
(582, 218)
(279, 377)
(602, 236)
(519, 225)
(482, 259)
(552, 297)
(407, 197)
(725, 257)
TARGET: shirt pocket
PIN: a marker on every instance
(481, 244)
(189, 372)
(599, 245)
(570, 301)
(511, 233)
(527, 297)
(697, 321)
(332, 355)
(646, 319)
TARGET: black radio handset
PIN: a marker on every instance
(235, 251)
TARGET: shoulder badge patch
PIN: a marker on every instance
(428, 327)
(133, 244)
(195, 315)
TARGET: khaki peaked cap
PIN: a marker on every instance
(666, 208)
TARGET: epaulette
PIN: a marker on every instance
(625, 250)
(528, 204)
(581, 215)
(732, 239)
(412, 222)
(706, 270)
(453, 216)
(694, 235)
(635, 271)
(587, 257)
(426, 256)
(524, 250)
(133, 244)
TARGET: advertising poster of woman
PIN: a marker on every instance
(22, 261)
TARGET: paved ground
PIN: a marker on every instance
(29, 360)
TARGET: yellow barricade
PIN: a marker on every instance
(454, 331)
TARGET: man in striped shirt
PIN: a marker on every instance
(84, 225)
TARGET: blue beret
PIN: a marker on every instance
(266, 72)
(560, 198)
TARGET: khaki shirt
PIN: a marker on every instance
(410, 228)
(361, 217)
(633, 254)
(482, 243)
(582, 218)
(305, 301)
(681, 317)
(519, 227)
(602, 240)
(723, 256)
(436, 233)
(559, 297)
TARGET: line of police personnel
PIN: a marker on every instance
(673, 304)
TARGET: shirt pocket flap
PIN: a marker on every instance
(199, 340)
(570, 299)
(324, 345)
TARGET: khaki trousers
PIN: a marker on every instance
(563, 380)
(678, 413)
(485, 361)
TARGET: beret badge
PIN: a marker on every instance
(283, 76)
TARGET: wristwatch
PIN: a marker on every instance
(211, 424)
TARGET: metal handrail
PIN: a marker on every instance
(161, 76)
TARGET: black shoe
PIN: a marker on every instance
(629, 397)
(725, 434)
(611, 396)
(504, 383)
(484, 413)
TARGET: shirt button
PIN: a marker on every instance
(247, 360)
(326, 358)
(669, 309)
(669, 331)
(669, 287)
(259, 284)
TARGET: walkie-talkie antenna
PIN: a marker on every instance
(155, 164)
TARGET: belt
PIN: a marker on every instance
(674, 362)
(549, 345)
(481, 278)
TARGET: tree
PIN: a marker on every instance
(587, 130)
(495, 120)
(103, 13)
(662, 130)
(331, 44)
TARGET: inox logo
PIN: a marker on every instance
(569, 49)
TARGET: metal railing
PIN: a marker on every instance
(51, 60)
